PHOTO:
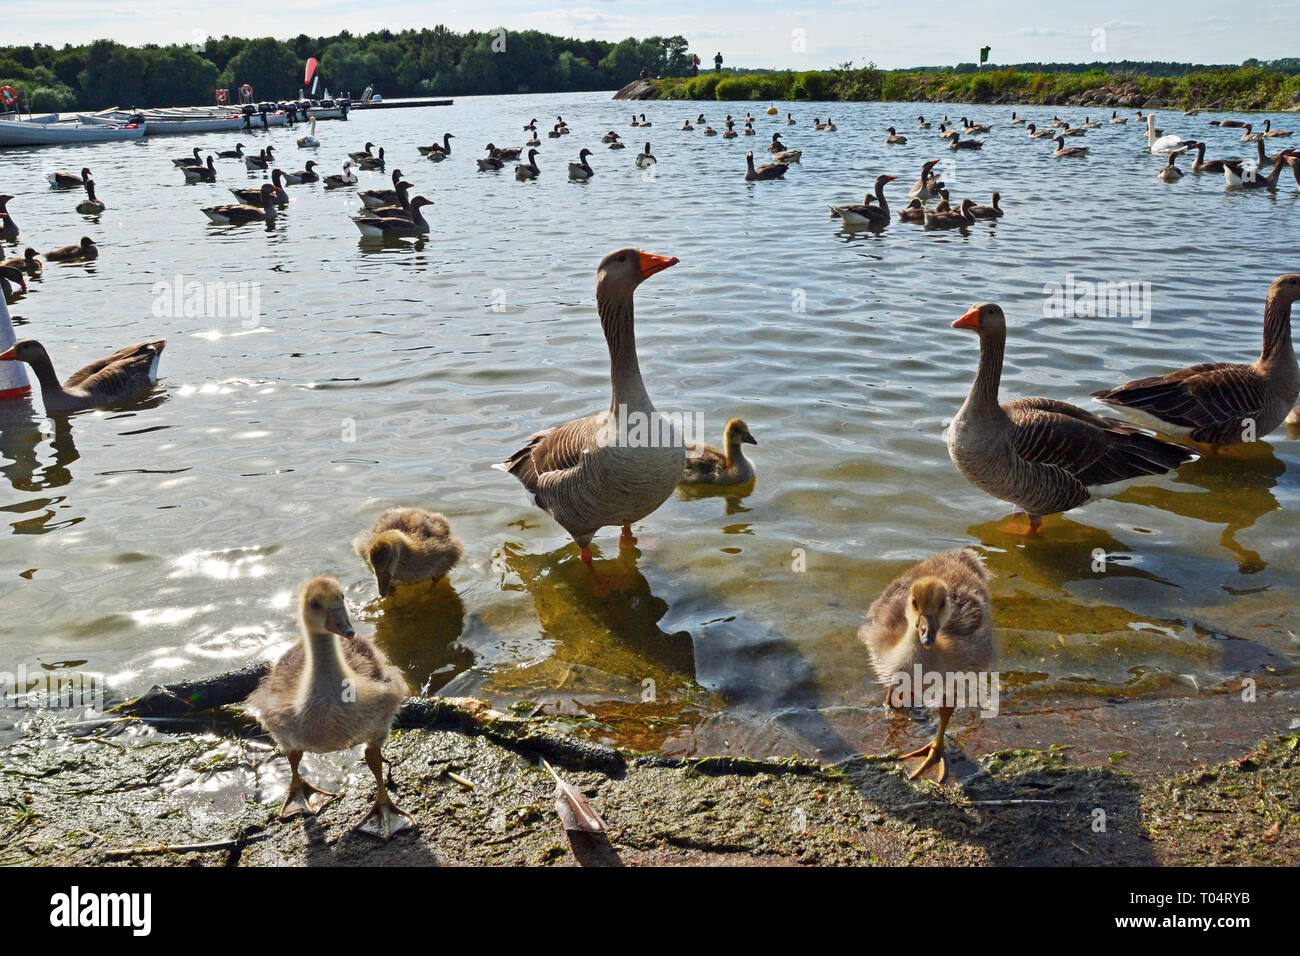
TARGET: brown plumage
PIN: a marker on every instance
(1219, 403)
(947, 218)
(766, 171)
(28, 262)
(706, 465)
(8, 228)
(112, 379)
(86, 249)
(938, 614)
(253, 197)
(92, 205)
(327, 694)
(989, 212)
(409, 546)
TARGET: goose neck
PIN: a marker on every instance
(616, 319)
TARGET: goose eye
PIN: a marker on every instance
(315, 605)
(622, 258)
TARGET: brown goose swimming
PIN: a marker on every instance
(236, 153)
(112, 379)
(81, 251)
(381, 227)
(306, 175)
(253, 196)
(1062, 150)
(893, 138)
(1035, 133)
(782, 155)
(237, 214)
(1039, 454)
(69, 180)
(1219, 403)
(706, 465)
(262, 160)
(1170, 173)
(195, 174)
(530, 169)
(375, 198)
(766, 171)
(867, 214)
(1202, 165)
(956, 142)
(936, 616)
(1271, 133)
(400, 208)
(438, 152)
(581, 170)
(1116, 118)
(927, 187)
(300, 705)
(362, 153)
(989, 212)
(617, 466)
(28, 262)
(949, 219)
(194, 160)
(408, 546)
(373, 162)
(91, 205)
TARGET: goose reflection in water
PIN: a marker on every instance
(20, 438)
(419, 627)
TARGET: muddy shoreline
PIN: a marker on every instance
(203, 788)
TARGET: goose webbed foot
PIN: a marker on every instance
(933, 751)
(385, 819)
(1023, 528)
(302, 798)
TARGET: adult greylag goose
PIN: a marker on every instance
(927, 187)
(934, 618)
(646, 158)
(866, 214)
(593, 472)
(530, 169)
(970, 128)
(194, 160)
(408, 546)
(27, 262)
(69, 180)
(956, 142)
(309, 141)
(305, 175)
(989, 212)
(8, 228)
(112, 379)
(921, 123)
(197, 174)
(1016, 119)
(437, 152)
(1248, 136)
(81, 251)
(362, 153)
(339, 180)
(1116, 118)
(237, 214)
(393, 227)
(1063, 151)
(893, 138)
(1170, 173)
(262, 160)
(1219, 403)
(766, 171)
(1271, 133)
(373, 162)
(706, 465)
(1202, 165)
(581, 170)
(236, 153)
(949, 219)
(92, 205)
(374, 198)
(253, 196)
(1043, 455)
(1035, 133)
(1238, 177)
(1228, 124)
(301, 707)
(401, 206)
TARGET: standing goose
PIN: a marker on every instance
(1219, 403)
(1169, 173)
(112, 379)
(893, 138)
(262, 160)
(8, 228)
(947, 219)
(437, 152)
(866, 214)
(1063, 151)
(581, 170)
(766, 171)
(408, 546)
(1043, 455)
(935, 618)
(927, 187)
(300, 705)
(205, 174)
(82, 251)
(374, 198)
(70, 180)
(586, 473)
(393, 227)
(253, 196)
(706, 465)
(28, 262)
(236, 153)
(339, 180)
(646, 158)
(237, 214)
(91, 205)
(309, 141)
(194, 160)
(530, 169)
(989, 212)
(306, 175)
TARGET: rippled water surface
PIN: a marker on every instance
(166, 539)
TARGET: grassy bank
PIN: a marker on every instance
(1253, 88)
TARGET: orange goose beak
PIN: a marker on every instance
(971, 320)
(9, 355)
(650, 264)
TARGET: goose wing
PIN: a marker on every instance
(1212, 399)
(554, 454)
(126, 370)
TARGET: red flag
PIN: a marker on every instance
(311, 69)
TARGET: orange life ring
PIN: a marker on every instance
(8, 95)
(246, 91)
(222, 96)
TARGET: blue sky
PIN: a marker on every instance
(892, 33)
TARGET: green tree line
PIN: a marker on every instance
(425, 62)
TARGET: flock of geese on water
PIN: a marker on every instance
(1041, 455)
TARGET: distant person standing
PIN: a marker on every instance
(717, 62)
(695, 64)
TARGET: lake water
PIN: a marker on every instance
(167, 539)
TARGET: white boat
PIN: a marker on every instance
(30, 118)
(176, 123)
(57, 134)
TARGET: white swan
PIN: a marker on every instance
(306, 142)
(1164, 144)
